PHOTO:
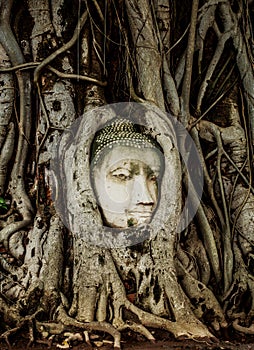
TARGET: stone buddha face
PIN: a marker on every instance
(126, 184)
(126, 169)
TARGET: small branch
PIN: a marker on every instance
(212, 66)
(97, 6)
(31, 65)
(23, 66)
(226, 234)
(77, 76)
(213, 104)
(62, 49)
(206, 19)
(179, 40)
(188, 66)
(245, 330)
(247, 182)
(227, 75)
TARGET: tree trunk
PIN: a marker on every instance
(67, 69)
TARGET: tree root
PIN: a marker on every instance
(203, 300)
(68, 321)
(245, 330)
(138, 328)
(26, 320)
(179, 329)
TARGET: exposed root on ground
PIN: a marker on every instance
(28, 320)
(241, 329)
(179, 329)
(68, 321)
(63, 323)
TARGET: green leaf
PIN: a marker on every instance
(3, 203)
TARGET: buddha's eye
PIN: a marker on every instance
(121, 175)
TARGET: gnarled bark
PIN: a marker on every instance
(60, 268)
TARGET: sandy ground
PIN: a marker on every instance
(163, 345)
(133, 342)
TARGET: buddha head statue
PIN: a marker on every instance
(127, 165)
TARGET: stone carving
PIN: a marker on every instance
(126, 169)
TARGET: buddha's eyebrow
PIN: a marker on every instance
(120, 167)
(135, 169)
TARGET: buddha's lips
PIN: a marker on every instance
(144, 214)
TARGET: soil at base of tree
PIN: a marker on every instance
(134, 342)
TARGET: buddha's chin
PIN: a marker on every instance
(127, 221)
(137, 221)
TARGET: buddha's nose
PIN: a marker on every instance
(140, 191)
